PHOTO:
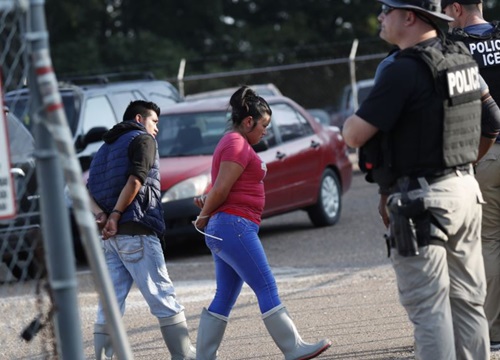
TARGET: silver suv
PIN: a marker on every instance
(96, 107)
(347, 105)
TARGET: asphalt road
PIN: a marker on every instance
(336, 282)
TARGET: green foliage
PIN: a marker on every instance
(215, 35)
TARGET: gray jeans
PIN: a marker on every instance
(443, 288)
(488, 177)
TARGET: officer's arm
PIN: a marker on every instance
(490, 120)
(490, 124)
(357, 131)
(484, 145)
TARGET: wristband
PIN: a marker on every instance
(117, 211)
(203, 216)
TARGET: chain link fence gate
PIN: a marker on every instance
(25, 302)
(38, 286)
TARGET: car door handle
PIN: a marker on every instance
(280, 155)
(315, 144)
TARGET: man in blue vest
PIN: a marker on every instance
(483, 40)
(124, 186)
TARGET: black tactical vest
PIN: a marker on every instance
(390, 156)
(486, 51)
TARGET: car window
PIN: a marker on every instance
(270, 136)
(98, 113)
(162, 95)
(161, 100)
(71, 107)
(19, 105)
(21, 142)
(190, 134)
(121, 99)
(289, 123)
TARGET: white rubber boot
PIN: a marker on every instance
(102, 343)
(285, 335)
(210, 333)
(175, 334)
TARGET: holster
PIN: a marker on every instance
(410, 226)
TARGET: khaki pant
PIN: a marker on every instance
(488, 177)
(443, 288)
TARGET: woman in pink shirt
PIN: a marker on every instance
(230, 217)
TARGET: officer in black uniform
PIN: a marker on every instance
(420, 127)
(483, 40)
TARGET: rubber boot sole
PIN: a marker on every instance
(317, 353)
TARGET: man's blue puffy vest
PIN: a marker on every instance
(108, 175)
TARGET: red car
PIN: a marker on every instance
(307, 163)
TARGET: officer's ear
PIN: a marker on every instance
(410, 17)
(457, 9)
(406, 17)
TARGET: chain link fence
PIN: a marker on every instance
(38, 283)
(318, 83)
(25, 300)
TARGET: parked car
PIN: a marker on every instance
(263, 90)
(321, 116)
(347, 105)
(308, 166)
(21, 246)
(96, 106)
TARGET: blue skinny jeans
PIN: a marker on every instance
(239, 257)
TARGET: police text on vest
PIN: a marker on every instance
(463, 81)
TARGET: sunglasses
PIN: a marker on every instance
(386, 9)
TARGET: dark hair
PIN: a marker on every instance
(140, 107)
(245, 102)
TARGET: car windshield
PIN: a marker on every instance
(190, 134)
(19, 105)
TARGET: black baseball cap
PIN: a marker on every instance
(445, 3)
(425, 7)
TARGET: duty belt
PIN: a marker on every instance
(435, 177)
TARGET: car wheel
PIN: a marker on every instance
(326, 211)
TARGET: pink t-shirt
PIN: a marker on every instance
(246, 198)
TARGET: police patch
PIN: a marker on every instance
(486, 53)
(463, 83)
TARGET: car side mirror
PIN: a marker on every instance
(262, 145)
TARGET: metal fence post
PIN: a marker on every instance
(352, 71)
(180, 76)
(56, 222)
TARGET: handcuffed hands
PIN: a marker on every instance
(201, 221)
(200, 201)
(111, 227)
(101, 219)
